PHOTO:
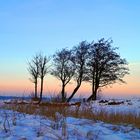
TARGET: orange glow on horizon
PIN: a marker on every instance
(53, 86)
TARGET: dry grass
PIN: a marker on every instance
(78, 112)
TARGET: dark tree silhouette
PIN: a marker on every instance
(105, 66)
(63, 68)
(33, 68)
(43, 70)
(80, 53)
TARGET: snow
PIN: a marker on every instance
(128, 106)
(21, 126)
(33, 127)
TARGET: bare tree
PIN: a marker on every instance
(43, 70)
(80, 53)
(63, 68)
(33, 68)
(105, 66)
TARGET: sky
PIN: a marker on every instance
(31, 26)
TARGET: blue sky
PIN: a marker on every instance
(45, 25)
(30, 26)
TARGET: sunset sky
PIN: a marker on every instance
(31, 26)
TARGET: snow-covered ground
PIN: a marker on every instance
(32, 127)
(126, 106)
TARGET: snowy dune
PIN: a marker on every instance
(125, 106)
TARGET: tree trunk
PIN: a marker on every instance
(75, 90)
(41, 90)
(93, 96)
(63, 93)
(35, 90)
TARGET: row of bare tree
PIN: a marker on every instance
(38, 68)
(95, 62)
